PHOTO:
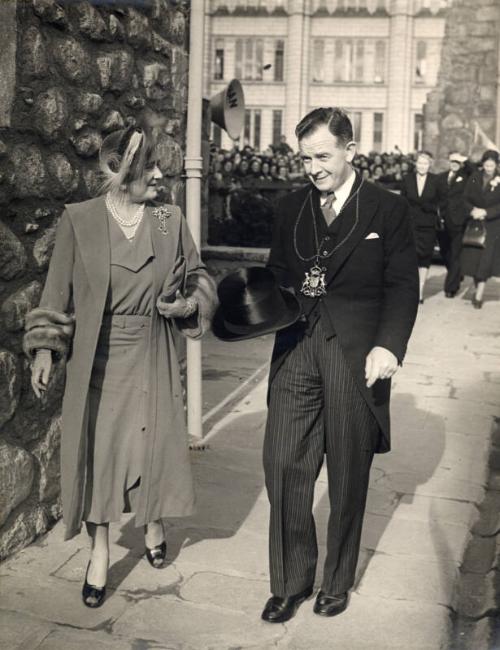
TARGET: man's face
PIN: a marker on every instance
(422, 165)
(326, 161)
(454, 165)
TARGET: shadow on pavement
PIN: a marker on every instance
(418, 440)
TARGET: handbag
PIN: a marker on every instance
(475, 234)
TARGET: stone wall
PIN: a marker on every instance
(464, 104)
(71, 73)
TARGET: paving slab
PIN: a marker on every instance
(200, 626)
(418, 578)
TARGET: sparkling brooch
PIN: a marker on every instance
(162, 214)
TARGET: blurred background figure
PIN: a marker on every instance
(421, 188)
(482, 203)
(453, 216)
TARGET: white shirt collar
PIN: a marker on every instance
(342, 193)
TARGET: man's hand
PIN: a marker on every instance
(380, 364)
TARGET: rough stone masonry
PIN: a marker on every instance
(72, 72)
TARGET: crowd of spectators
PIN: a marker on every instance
(244, 184)
(279, 163)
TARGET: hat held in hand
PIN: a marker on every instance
(252, 304)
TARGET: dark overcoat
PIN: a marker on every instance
(477, 262)
(372, 284)
(423, 208)
(78, 280)
(452, 206)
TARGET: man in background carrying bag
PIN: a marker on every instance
(452, 213)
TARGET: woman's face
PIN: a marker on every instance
(365, 173)
(228, 166)
(283, 172)
(265, 168)
(377, 160)
(243, 166)
(489, 167)
(255, 166)
(237, 158)
(146, 188)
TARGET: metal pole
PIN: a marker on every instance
(193, 167)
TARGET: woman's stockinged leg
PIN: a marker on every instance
(480, 285)
(422, 276)
(156, 547)
(99, 553)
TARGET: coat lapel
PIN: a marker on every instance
(165, 232)
(355, 221)
(92, 233)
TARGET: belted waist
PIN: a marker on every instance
(125, 320)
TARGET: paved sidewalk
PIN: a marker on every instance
(421, 507)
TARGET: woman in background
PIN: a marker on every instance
(482, 203)
(124, 445)
(421, 189)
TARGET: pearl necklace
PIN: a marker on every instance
(123, 222)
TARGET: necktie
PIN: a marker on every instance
(327, 209)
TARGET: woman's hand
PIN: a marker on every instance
(40, 371)
(179, 308)
(478, 214)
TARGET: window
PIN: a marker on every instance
(356, 120)
(216, 135)
(219, 59)
(318, 72)
(348, 64)
(338, 68)
(252, 127)
(277, 126)
(379, 66)
(249, 57)
(418, 131)
(279, 60)
(256, 129)
(378, 131)
(421, 62)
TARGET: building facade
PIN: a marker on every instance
(378, 59)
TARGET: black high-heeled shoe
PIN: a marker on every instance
(156, 555)
(92, 596)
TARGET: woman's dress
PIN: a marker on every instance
(118, 385)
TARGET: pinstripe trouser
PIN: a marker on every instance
(316, 407)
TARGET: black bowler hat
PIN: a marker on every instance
(252, 304)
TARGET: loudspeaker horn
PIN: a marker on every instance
(228, 109)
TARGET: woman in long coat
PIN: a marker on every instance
(421, 189)
(124, 444)
(482, 202)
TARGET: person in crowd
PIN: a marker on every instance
(266, 171)
(453, 216)
(421, 189)
(283, 172)
(283, 147)
(482, 203)
(346, 249)
(131, 274)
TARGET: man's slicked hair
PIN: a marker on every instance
(336, 120)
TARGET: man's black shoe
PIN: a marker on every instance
(279, 610)
(450, 294)
(327, 605)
